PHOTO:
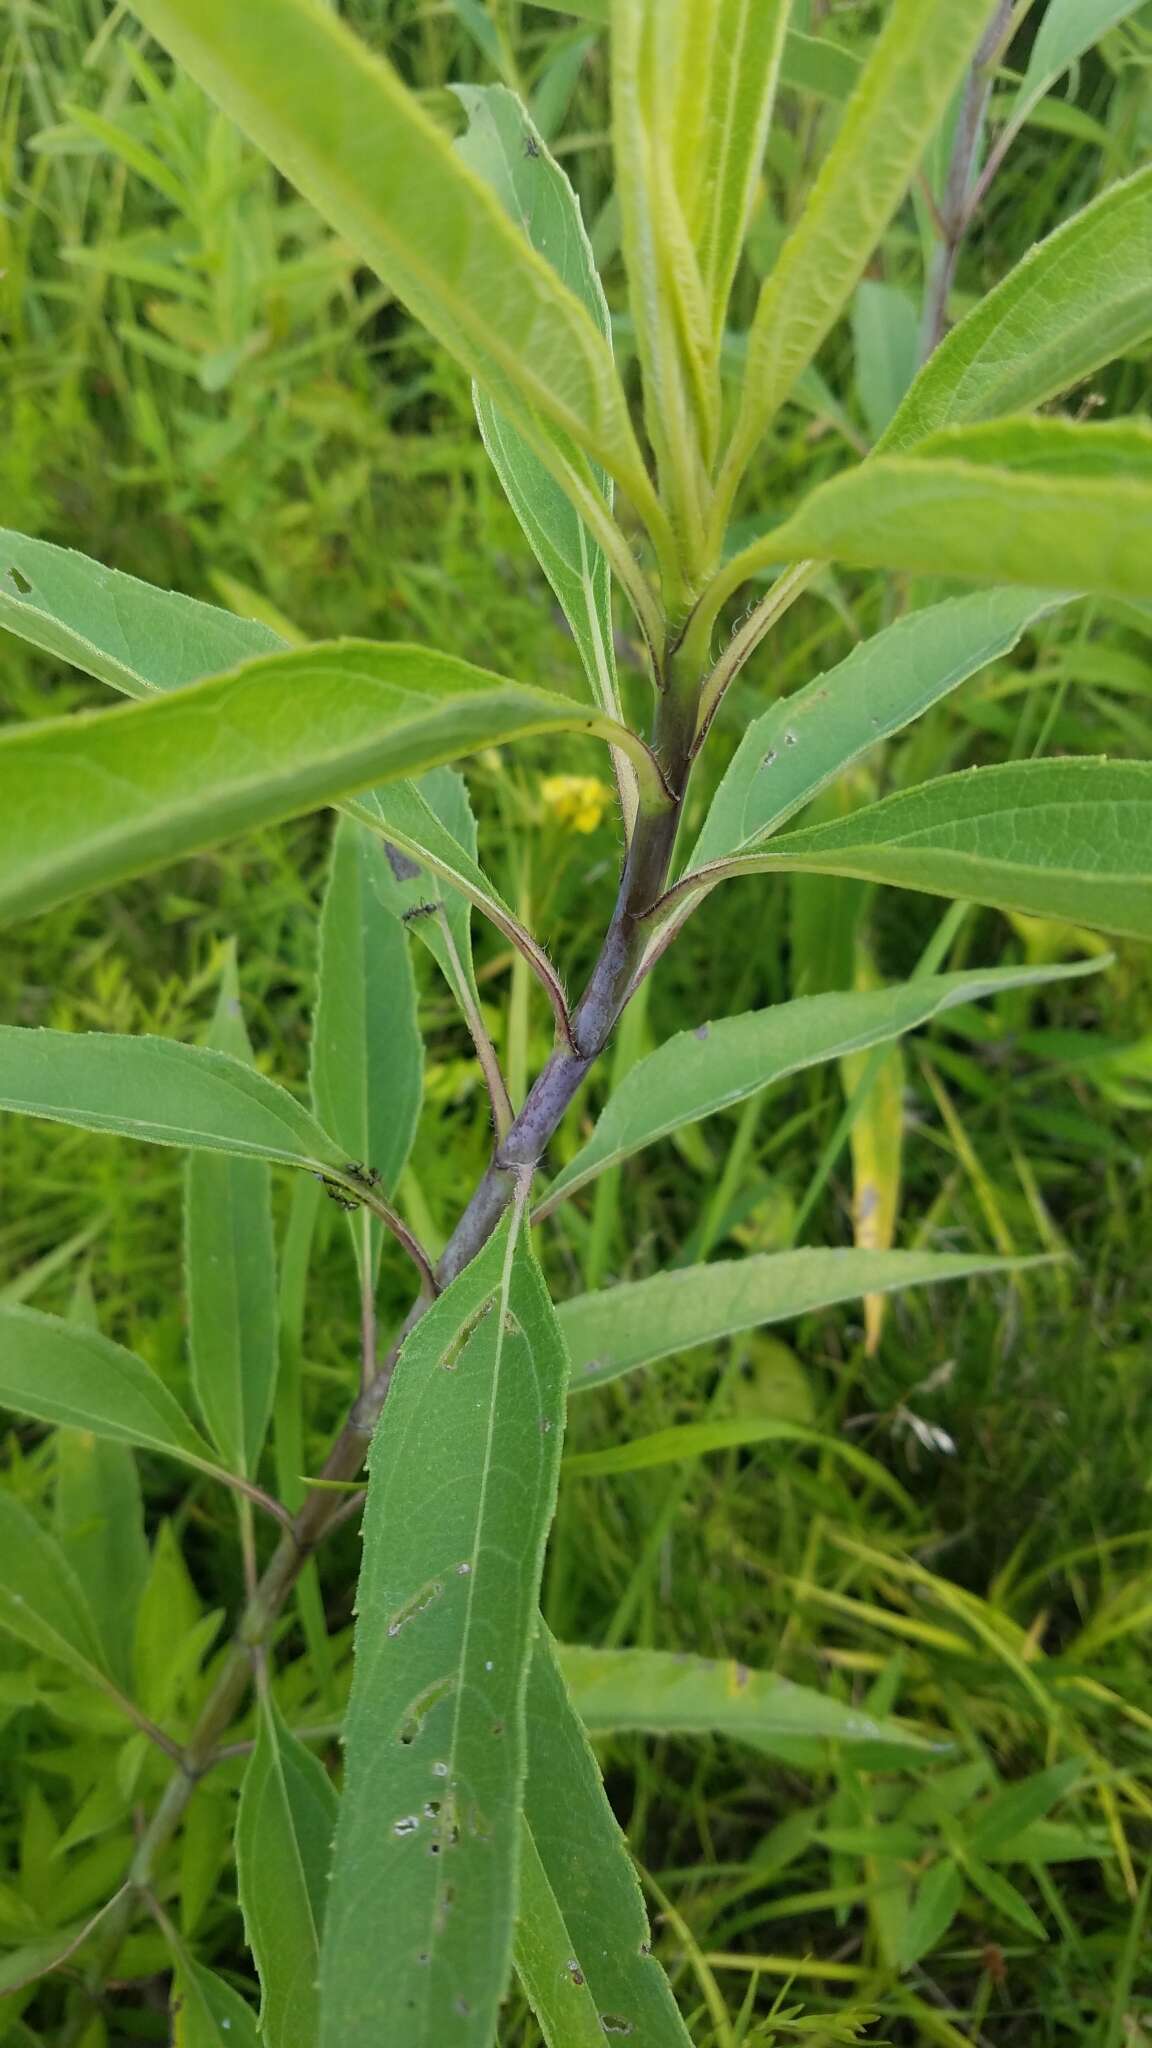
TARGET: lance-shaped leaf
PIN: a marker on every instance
(160, 1091)
(340, 125)
(124, 632)
(734, 99)
(506, 150)
(794, 749)
(42, 1602)
(206, 2012)
(1023, 501)
(914, 67)
(230, 1267)
(89, 800)
(1068, 839)
(698, 1072)
(619, 1328)
(418, 1936)
(99, 1525)
(367, 1054)
(659, 1692)
(583, 1944)
(730, 1433)
(143, 640)
(1077, 300)
(58, 1372)
(810, 63)
(284, 1830)
(1068, 29)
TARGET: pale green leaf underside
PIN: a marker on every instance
(284, 1829)
(660, 1692)
(1023, 501)
(698, 1072)
(1077, 300)
(90, 800)
(583, 1940)
(61, 1373)
(507, 152)
(793, 750)
(1067, 30)
(640, 1321)
(122, 631)
(160, 1091)
(418, 1938)
(338, 122)
(694, 1440)
(902, 93)
(1066, 839)
(142, 640)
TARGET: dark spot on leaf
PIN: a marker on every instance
(769, 757)
(497, 1727)
(18, 578)
(405, 870)
(790, 739)
(574, 1971)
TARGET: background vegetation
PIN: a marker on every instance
(200, 386)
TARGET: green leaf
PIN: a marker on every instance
(206, 2012)
(420, 1917)
(735, 97)
(818, 65)
(1019, 1806)
(1077, 300)
(430, 824)
(903, 91)
(1062, 839)
(284, 1829)
(90, 800)
(619, 1328)
(126, 633)
(662, 1692)
(1023, 501)
(583, 1944)
(367, 1054)
(58, 1373)
(698, 1072)
(885, 337)
(507, 152)
(699, 1439)
(42, 1602)
(230, 1267)
(340, 125)
(793, 750)
(935, 1907)
(1002, 1894)
(1069, 28)
(159, 1091)
(99, 1525)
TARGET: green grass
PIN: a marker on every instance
(298, 439)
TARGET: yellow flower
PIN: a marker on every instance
(578, 801)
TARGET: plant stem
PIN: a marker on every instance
(956, 206)
(515, 1157)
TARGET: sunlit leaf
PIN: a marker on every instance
(1079, 298)
(89, 800)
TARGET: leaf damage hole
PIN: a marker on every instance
(416, 1605)
(574, 1972)
(406, 1825)
(19, 581)
(450, 1358)
(615, 2023)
